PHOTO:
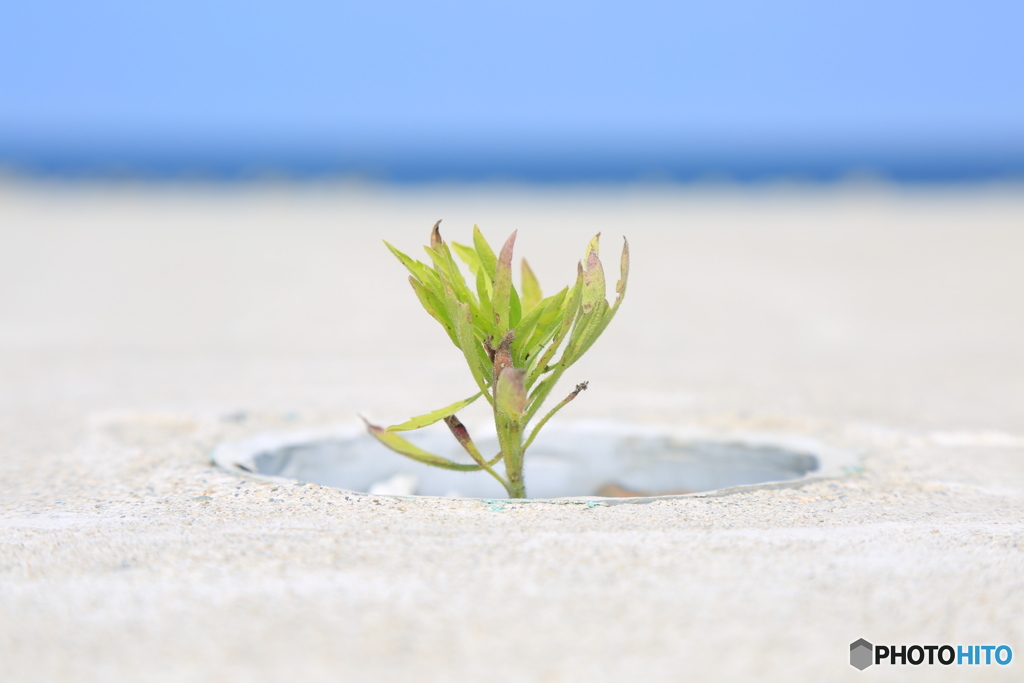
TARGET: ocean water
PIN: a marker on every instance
(506, 163)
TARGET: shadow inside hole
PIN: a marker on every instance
(559, 464)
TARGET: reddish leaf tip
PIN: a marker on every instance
(372, 427)
(506, 249)
(435, 234)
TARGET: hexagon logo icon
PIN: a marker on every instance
(860, 654)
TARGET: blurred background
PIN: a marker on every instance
(532, 92)
(251, 156)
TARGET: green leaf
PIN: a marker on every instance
(572, 316)
(483, 292)
(400, 445)
(593, 277)
(524, 331)
(447, 270)
(465, 294)
(421, 271)
(483, 250)
(620, 286)
(593, 308)
(466, 340)
(594, 330)
(502, 300)
(569, 316)
(531, 288)
(515, 308)
(587, 332)
(468, 256)
(511, 392)
(434, 307)
(551, 312)
(431, 418)
(441, 257)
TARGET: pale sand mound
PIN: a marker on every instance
(141, 327)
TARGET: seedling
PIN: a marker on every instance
(509, 341)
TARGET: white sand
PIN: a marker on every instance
(139, 327)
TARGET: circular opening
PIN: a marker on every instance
(582, 460)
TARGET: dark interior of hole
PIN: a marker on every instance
(566, 466)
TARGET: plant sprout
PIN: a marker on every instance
(509, 339)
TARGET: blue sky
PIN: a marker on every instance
(377, 85)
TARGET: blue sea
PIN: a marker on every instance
(546, 164)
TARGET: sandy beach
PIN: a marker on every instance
(141, 326)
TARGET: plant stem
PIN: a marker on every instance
(510, 437)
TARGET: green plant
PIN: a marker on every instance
(509, 341)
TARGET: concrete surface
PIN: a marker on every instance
(141, 326)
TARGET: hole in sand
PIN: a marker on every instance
(585, 459)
